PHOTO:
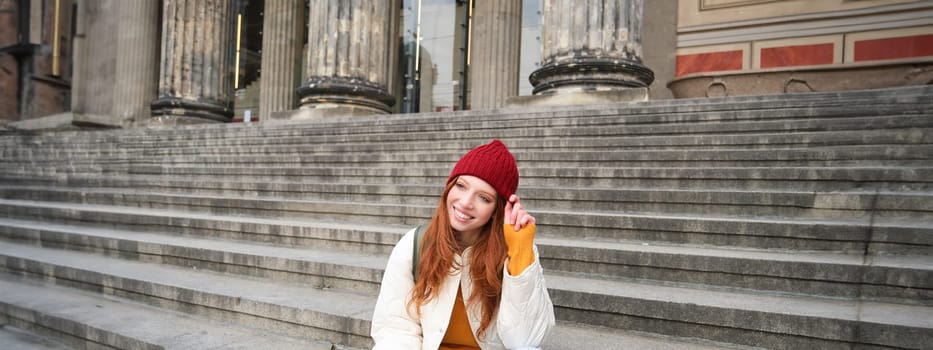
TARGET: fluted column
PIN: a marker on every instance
(348, 51)
(495, 51)
(591, 45)
(282, 40)
(137, 60)
(196, 77)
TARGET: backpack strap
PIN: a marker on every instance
(416, 252)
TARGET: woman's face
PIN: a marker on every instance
(470, 204)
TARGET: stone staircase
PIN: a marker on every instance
(768, 222)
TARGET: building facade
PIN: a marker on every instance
(750, 47)
(170, 62)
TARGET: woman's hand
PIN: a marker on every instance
(520, 243)
(516, 215)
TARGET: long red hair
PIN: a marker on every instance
(487, 260)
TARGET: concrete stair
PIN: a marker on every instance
(774, 222)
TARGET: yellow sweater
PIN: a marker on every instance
(521, 255)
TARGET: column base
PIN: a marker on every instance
(67, 121)
(322, 111)
(167, 111)
(580, 97)
(97, 121)
(337, 96)
(590, 73)
(54, 122)
(165, 121)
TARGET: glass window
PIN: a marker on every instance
(530, 59)
(431, 68)
(433, 51)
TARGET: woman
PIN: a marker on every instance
(479, 284)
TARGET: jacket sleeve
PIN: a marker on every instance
(392, 326)
(525, 312)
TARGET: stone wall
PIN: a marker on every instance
(660, 45)
(31, 52)
(9, 71)
(97, 66)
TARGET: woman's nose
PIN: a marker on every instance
(465, 202)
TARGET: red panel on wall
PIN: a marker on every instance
(709, 62)
(891, 48)
(797, 55)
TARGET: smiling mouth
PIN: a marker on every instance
(460, 215)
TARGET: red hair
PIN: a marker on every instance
(487, 260)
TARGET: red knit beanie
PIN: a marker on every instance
(494, 164)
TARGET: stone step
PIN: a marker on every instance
(142, 192)
(298, 232)
(770, 321)
(14, 338)
(803, 178)
(832, 178)
(799, 178)
(582, 126)
(466, 139)
(336, 316)
(895, 278)
(48, 319)
(280, 146)
(62, 172)
(905, 279)
(855, 155)
(547, 118)
(38, 153)
(87, 320)
(864, 155)
(632, 114)
(213, 219)
(775, 321)
(900, 100)
(317, 267)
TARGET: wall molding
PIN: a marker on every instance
(857, 20)
(706, 5)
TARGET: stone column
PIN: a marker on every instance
(95, 74)
(196, 78)
(495, 51)
(394, 79)
(592, 46)
(348, 64)
(282, 43)
(137, 60)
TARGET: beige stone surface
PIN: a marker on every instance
(706, 12)
(137, 60)
(579, 98)
(855, 76)
(283, 22)
(497, 30)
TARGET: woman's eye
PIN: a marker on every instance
(485, 199)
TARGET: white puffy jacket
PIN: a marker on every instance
(525, 312)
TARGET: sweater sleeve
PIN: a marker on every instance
(526, 313)
(392, 326)
(521, 248)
